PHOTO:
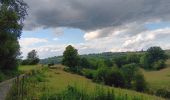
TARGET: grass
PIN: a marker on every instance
(158, 79)
(26, 68)
(58, 80)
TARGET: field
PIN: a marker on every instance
(158, 79)
(57, 80)
(26, 68)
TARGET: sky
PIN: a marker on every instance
(94, 26)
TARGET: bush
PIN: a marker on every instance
(100, 74)
(159, 65)
(130, 71)
(163, 93)
(88, 73)
(2, 76)
(110, 76)
(115, 77)
(140, 83)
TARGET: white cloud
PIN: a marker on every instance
(25, 42)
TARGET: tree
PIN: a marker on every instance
(133, 58)
(120, 61)
(12, 14)
(130, 71)
(32, 57)
(84, 63)
(156, 54)
(154, 58)
(140, 83)
(71, 57)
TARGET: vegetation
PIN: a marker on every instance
(60, 84)
(32, 58)
(12, 14)
(154, 58)
(71, 58)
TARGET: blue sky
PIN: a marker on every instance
(95, 26)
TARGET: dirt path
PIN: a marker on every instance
(5, 87)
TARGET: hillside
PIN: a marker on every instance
(57, 80)
(158, 79)
(104, 55)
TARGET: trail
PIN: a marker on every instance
(5, 87)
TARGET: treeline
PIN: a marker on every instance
(120, 71)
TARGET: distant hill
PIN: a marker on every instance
(54, 60)
(104, 55)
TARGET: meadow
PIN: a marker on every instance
(57, 80)
(158, 79)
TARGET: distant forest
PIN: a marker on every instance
(104, 55)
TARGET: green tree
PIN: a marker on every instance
(120, 61)
(12, 14)
(140, 83)
(71, 57)
(133, 58)
(32, 57)
(84, 63)
(129, 71)
(154, 58)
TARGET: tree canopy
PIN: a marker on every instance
(71, 57)
(12, 14)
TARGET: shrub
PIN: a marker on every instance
(130, 71)
(159, 65)
(140, 83)
(115, 77)
(100, 74)
(2, 76)
(163, 93)
(88, 73)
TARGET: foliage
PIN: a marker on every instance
(120, 61)
(2, 76)
(32, 58)
(154, 58)
(84, 63)
(140, 83)
(115, 77)
(134, 78)
(163, 93)
(74, 93)
(110, 76)
(89, 73)
(133, 58)
(71, 57)
(12, 14)
(130, 71)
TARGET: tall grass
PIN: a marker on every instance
(74, 93)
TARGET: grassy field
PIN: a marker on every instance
(158, 79)
(57, 80)
(26, 68)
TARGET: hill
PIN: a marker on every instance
(57, 80)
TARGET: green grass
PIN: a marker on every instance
(26, 68)
(58, 80)
(158, 79)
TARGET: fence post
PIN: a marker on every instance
(23, 87)
(17, 85)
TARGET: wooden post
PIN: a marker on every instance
(22, 95)
(17, 86)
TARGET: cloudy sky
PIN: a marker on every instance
(94, 26)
